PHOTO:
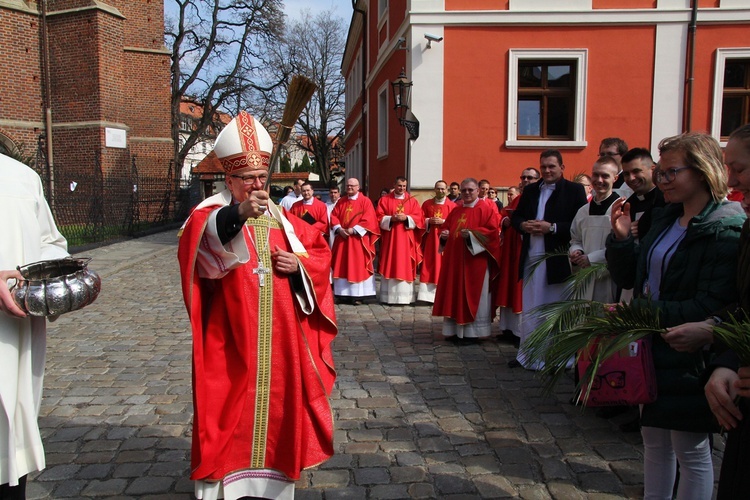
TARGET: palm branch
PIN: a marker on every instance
(535, 262)
(735, 334)
(570, 326)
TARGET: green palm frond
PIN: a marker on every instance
(535, 262)
(570, 326)
(735, 334)
(556, 317)
(580, 280)
(614, 331)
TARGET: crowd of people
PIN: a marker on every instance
(667, 234)
(260, 281)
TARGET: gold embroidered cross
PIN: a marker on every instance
(459, 225)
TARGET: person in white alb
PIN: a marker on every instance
(29, 235)
(293, 196)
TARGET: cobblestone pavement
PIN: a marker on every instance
(416, 416)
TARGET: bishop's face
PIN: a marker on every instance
(241, 183)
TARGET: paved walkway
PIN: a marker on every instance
(416, 416)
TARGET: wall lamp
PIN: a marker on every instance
(402, 97)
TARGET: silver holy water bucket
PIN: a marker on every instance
(54, 287)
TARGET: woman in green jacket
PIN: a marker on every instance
(684, 267)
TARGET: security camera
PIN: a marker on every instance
(432, 38)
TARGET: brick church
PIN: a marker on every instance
(94, 76)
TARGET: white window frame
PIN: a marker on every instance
(383, 113)
(580, 56)
(721, 58)
(382, 10)
(383, 21)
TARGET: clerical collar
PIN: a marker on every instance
(472, 204)
(308, 202)
(601, 207)
(356, 195)
(399, 196)
(441, 201)
(642, 197)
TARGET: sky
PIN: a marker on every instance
(292, 8)
(343, 7)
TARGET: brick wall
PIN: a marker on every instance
(20, 79)
(108, 68)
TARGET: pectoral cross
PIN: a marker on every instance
(261, 272)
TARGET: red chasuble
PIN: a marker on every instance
(400, 249)
(354, 257)
(509, 291)
(316, 214)
(460, 285)
(262, 368)
(431, 240)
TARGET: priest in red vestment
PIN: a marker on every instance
(469, 270)
(355, 226)
(435, 212)
(509, 293)
(255, 284)
(312, 210)
(401, 228)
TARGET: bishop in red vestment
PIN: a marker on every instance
(435, 212)
(255, 285)
(355, 227)
(312, 210)
(469, 269)
(401, 227)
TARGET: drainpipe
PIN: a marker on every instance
(692, 28)
(362, 96)
(47, 102)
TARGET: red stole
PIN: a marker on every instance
(431, 241)
(460, 285)
(262, 369)
(509, 292)
(353, 257)
(400, 250)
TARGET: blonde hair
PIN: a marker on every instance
(702, 153)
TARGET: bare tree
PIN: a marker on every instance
(313, 46)
(218, 50)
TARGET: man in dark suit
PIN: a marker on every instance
(543, 217)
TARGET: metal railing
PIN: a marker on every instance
(93, 208)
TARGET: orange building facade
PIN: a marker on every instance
(496, 82)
